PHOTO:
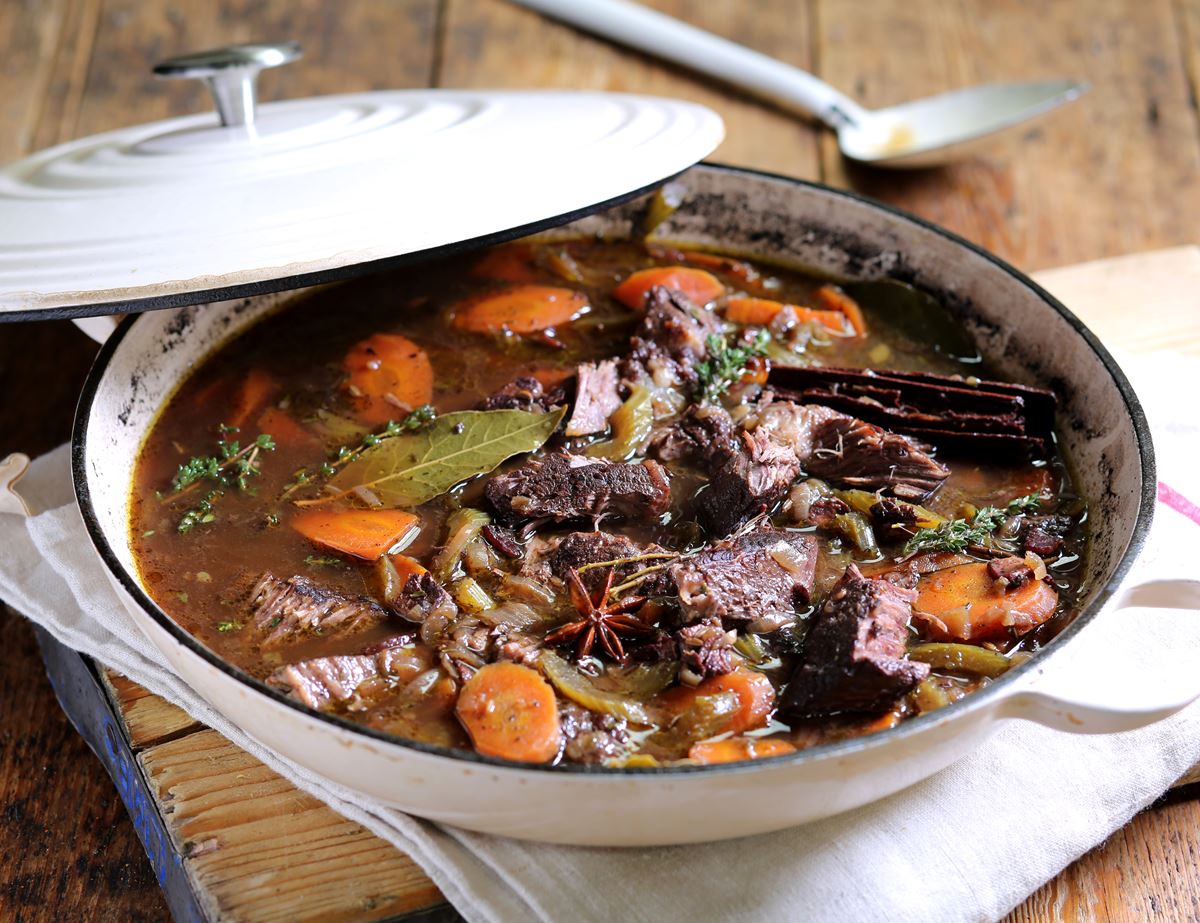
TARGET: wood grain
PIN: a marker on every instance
(67, 848)
(1116, 172)
(260, 851)
(489, 43)
(1146, 871)
(145, 718)
(351, 45)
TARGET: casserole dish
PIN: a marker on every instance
(1023, 332)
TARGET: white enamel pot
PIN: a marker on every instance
(1024, 333)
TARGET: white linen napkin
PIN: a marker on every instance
(968, 844)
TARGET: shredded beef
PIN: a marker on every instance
(423, 597)
(597, 395)
(854, 656)
(1042, 543)
(744, 579)
(329, 680)
(823, 511)
(750, 480)
(1012, 572)
(590, 737)
(281, 608)
(657, 648)
(502, 539)
(670, 340)
(525, 393)
(561, 487)
(866, 456)
(705, 649)
(705, 433)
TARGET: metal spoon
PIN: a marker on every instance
(921, 133)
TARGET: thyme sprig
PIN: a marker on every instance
(343, 455)
(957, 535)
(726, 364)
(233, 466)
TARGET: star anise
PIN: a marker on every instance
(601, 619)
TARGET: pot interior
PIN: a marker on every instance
(1017, 327)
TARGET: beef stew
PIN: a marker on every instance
(609, 502)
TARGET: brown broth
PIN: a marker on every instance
(201, 578)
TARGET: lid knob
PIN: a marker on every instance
(231, 74)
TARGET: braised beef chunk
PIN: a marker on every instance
(704, 433)
(823, 511)
(581, 548)
(861, 455)
(502, 539)
(705, 649)
(671, 339)
(749, 481)
(525, 393)
(854, 656)
(597, 395)
(323, 681)
(423, 597)
(280, 608)
(792, 425)
(562, 487)
(1011, 572)
(748, 471)
(751, 578)
(591, 737)
(1042, 543)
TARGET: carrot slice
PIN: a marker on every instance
(365, 534)
(963, 603)
(761, 311)
(255, 390)
(508, 263)
(510, 712)
(520, 309)
(389, 376)
(698, 285)
(834, 299)
(406, 567)
(754, 691)
(283, 428)
(736, 749)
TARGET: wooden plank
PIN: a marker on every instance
(353, 45)
(489, 44)
(1116, 172)
(259, 850)
(146, 718)
(1188, 19)
(1159, 289)
(1146, 871)
(29, 36)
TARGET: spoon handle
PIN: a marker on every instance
(660, 35)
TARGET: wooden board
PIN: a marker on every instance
(257, 849)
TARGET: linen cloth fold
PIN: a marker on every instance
(967, 844)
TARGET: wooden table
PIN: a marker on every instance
(1115, 173)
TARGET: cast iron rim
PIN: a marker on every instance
(976, 700)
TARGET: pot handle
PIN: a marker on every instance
(12, 469)
(1090, 688)
(99, 328)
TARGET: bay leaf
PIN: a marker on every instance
(408, 470)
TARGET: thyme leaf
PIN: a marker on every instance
(343, 455)
(957, 535)
(233, 465)
(726, 364)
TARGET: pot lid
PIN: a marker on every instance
(263, 198)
